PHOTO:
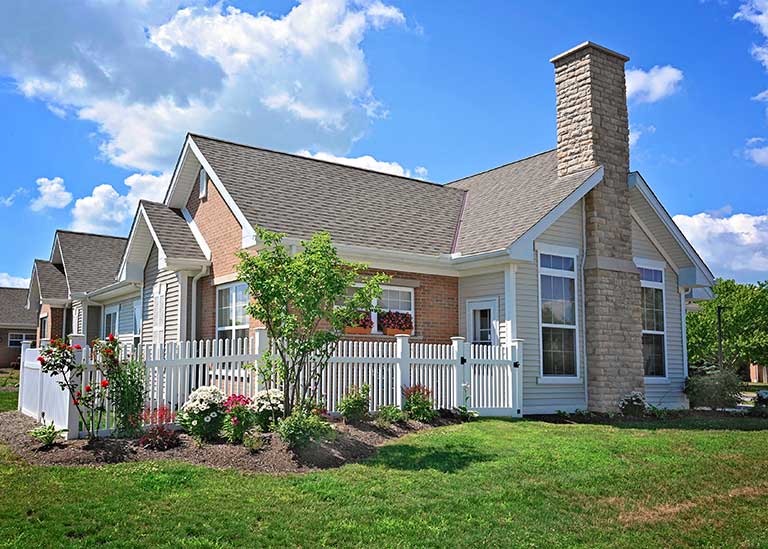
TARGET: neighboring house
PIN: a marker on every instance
(566, 250)
(75, 290)
(17, 324)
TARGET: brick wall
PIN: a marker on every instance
(55, 328)
(593, 130)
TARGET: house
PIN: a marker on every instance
(17, 324)
(566, 250)
(74, 291)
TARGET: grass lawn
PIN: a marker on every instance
(8, 400)
(492, 482)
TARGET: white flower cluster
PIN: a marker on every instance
(269, 400)
(202, 399)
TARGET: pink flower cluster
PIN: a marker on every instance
(236, 400)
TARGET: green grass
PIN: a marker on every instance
(489, 483)
(8, 400)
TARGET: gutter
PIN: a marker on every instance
(193, 324)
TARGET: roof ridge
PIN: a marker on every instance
(91, 234)
(501, 166)
(13, 288)
(294, 155)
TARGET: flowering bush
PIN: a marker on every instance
(239, 417)
(396, 321)
(160, 438)
(108, 352)
(59, 360)
(300, 428)
(269, 407)
(418, 403)
(203, 413)
(160, 416)
(364, 321)
(354, 405)
(633, 404)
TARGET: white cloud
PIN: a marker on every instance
(733, 245)
(369, 163)
(756, 12)
(635, 131)
(757, 151)
(653, 85)
(8, 201)
(146, 72)
(105, 210)
(51, 194)
(8, 281)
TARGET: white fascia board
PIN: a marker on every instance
(636, 181)
(126, 271)
(160, 252)
(185, 264)
(196, 233)
(522, 249)
(113, 292)
(648, 233)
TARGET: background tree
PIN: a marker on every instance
(305, 299)
(745, 326)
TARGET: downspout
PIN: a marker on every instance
(193, 327)
(584, 301)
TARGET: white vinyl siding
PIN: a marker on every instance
(153, 278)
(546, 397)
(488, 286)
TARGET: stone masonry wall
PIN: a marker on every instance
(593, 130)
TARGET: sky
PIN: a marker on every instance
(97, 96)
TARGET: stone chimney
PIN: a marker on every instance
(593, 130)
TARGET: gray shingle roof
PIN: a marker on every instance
(173, 232)
(13, 308)
(53, 282)
(91, 261)
(300, 196)
(505, 202)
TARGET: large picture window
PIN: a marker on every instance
(558, 309)
(654, 344)
(393, 298)
(15, 340)
(231, 318)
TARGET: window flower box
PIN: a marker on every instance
(394, 323)
(361, 327)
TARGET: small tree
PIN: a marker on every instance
(304, 301)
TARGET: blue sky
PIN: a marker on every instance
(95, 101)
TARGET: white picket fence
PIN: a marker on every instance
(482, 377)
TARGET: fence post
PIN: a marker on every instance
(261, 346)
(73, 418)
(403, 351)
(517, 377)
(25, 345)
(458, 371)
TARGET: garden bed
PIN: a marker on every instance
(670, 416)
(351, 443)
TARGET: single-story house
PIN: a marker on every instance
(566, 250)
(17, 324)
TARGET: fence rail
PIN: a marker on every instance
(482, 377)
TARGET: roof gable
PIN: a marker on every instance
(90, 261)
(50, 280)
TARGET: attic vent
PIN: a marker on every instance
(202, 182)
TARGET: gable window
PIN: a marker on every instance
(202, 183)
(482, 319)
(654, 336)
(111, 314)
(231, 318)
(15, 340)
(558, 315)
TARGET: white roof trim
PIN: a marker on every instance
(522, 248)
(636, 180)
(653, 240)
(196, 233)
(161, 257)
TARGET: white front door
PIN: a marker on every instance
(483, 321)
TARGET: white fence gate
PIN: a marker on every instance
(484, 378)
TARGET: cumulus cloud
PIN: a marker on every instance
(106, 211)
(51, 194)
(8, 281)
(8, 200)
(635, 131)
(146, 72)
(733, 245)
(653, 85)
(367, 162)
(756, 12)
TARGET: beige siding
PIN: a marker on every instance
(548, 398)
(152, 277)
(483, 286)
(651, 220)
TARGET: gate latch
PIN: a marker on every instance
(463, 360)
(516, 364)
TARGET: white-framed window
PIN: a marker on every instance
(111, 319)
(202, 183)
(558, 314)
(158, 313)
(399, 299)
(16, 339)
(44, 327)
(654, 319)
(482, 321)
(231, 318)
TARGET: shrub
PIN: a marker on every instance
(300, 428)
(396, 320)
(127, 396)
(158, 416)
(160, 438)
(418, 404)
(363, 321)
(203, 413)
(761, 398)
(658, 413)
(387, 415)
(239, 416)
(47, 433)
(253, 440)
(465, 414)
(720, 389)
(269, 407)
(354, 405)
(633, 404)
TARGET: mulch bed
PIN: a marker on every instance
(605, 419)
(352, 443)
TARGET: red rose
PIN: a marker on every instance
(111, 337)
(76, 346)
(75, 401)
(87, 388)
(104, 382)
(41, 360)
(77, 394)
(107, 351)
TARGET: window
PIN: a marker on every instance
(393, 298)
(15, 340)
(482, 320)
(111, 314)
(202, 182)
(231, 318)
(558, 306)
(654, 344)
(44, 327)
